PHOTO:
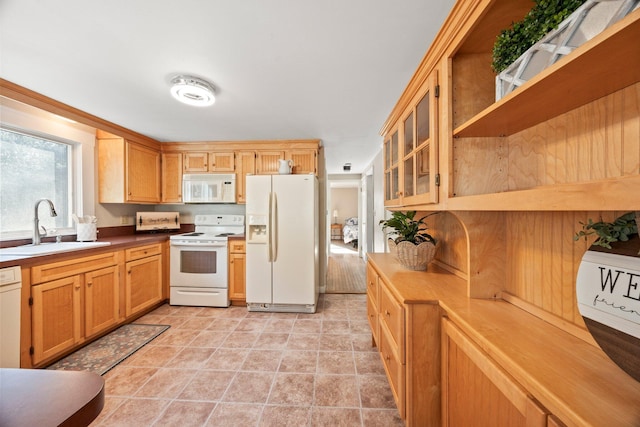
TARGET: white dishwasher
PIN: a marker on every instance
(10, 287)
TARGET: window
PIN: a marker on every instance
(31, 168)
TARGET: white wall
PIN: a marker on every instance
(345, 201)
(379, 240)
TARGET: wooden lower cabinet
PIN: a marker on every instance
(101, 300)
(407, 333)
(372, 303)
(476, 391)
(56, 317)
(68, 310)
(80, 298)
(237, 275)
(143, 283)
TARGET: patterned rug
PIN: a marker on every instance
(103, 354)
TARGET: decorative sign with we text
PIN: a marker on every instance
(608, 290)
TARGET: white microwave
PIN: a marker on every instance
(208, 188)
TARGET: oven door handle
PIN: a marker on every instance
(200, 245)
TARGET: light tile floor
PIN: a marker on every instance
(229, 367)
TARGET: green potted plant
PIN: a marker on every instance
(545, 15)
(619, 230)
(414, 247)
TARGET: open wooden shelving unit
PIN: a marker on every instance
(516, 178)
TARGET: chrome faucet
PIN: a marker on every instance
(36, 222)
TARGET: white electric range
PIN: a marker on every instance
(199, 262)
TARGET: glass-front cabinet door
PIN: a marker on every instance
(391, 170)
(417, 164)
(420, 156)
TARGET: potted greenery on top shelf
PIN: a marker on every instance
(550, 31)
(413, 245)
(620, 229)
(545, 15)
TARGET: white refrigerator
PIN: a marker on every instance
(282, 243)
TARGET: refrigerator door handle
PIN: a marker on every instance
(270, 231)
(274, 227)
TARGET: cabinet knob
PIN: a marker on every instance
(89, 284)
(387, 313)
(387, 358)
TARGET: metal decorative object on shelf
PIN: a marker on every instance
(590, 19)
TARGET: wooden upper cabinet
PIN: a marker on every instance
(128, 172)
(420, 156)
(392, 196)
(143, 174)
(171, 177)
(268, 162)
(196, 162)
(245, 164)
(303, 161)
(411, 151)
(209, 162)
(222, 162)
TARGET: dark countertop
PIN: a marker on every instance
(116, 243)
(40, 397)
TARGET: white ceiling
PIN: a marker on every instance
(282, 69)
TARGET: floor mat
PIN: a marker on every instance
(103, 354)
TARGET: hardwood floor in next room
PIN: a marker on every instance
(346, 271)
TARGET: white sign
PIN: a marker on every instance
(608, 290)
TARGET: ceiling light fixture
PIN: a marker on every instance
(192, 91)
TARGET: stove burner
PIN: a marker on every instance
(193, 234)
(225, 234)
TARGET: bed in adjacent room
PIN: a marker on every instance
(350, 231)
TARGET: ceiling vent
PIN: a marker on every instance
(346, 167)
(192, 91)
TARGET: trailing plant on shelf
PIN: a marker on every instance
(608, 232)
(545, 16)
(408, 229)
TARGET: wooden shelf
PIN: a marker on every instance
(620, 193)
(603, 65)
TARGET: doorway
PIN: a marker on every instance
(346, 268)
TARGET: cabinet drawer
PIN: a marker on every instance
(394, 369)
(392, 317)
(72, 267)
(372, 284)
(143, 251)
(372, 314)
(237, 246)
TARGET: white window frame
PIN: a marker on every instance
(75, 184)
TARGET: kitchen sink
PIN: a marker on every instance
(50, 248)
